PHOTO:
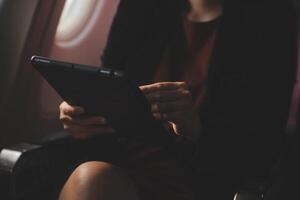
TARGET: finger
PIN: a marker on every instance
(66, 119)
(175, 117)
(165, 107)
(161, 116)
(73, 110)
(67, 109)
(162, 86)
(171, 95)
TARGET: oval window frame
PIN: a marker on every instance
(73, 23)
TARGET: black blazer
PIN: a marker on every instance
(251, 74)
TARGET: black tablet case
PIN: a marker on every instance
(105, 92)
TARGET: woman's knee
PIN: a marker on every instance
(92, 172)
(98, 179)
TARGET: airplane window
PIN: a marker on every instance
(75, 16)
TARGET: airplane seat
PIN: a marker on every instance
(280, 177)
(35, 170)
(286, 184)
(282, 182)
(252, 189)
(257, 188)
(38, 169)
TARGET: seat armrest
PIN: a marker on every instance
(37, 169)
(252, 190)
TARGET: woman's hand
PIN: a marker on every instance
(82, 127)
(172, 102)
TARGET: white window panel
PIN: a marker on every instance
(74, 19)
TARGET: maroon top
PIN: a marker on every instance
(198, 40)
(193, 61)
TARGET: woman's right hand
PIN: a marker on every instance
(82, 127)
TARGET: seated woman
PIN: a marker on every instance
(219, 73)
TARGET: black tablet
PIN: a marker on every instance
(106, 92)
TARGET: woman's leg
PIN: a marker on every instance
(98, 181)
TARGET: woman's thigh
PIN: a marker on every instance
(158, 173)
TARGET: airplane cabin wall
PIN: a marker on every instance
(37, 114)
(85, 47)
(15, 19)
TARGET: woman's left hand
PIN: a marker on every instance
(172, 102)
